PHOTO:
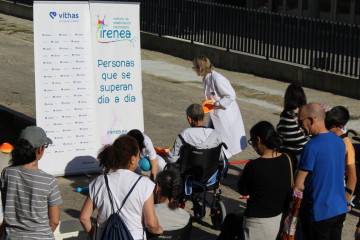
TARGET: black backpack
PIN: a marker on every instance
(116, 228)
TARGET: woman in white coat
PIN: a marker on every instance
(226, 116)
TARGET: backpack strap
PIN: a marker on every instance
(109, 192)
(132, 188)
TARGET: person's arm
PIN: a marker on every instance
(151, 221)
(225, 91)
(151, 154)
(85, 216)
(54, 217)
(300, 180)
(244, 181)
(174, 153)
(351, 182)
(154, 168)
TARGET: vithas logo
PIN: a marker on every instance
(52, 14)
(64, 15)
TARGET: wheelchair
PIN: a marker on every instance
(202, 170)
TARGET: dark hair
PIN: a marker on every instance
(23, 153)
(294, 97)
(171, 184)
(195, 112)
(268, 135)
(118, 155)
(336, 117)
(137, 134)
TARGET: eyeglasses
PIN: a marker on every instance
(250, 141)
(46, 145)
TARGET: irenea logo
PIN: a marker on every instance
(63, 15)
(104, 35)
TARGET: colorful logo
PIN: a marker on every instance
(52, 14)
(105, 35)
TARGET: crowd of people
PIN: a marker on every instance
(308, 154)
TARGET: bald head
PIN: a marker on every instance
(314, 110)
(312, 119)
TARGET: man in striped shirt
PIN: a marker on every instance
(30, 197)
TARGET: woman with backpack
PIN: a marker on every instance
(122, 158)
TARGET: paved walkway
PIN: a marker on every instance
(169, 86)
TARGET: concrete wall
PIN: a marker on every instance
(232, 61)
(17, 10)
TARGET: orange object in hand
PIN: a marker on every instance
(206, 106)
(6, 147)
(162, 151)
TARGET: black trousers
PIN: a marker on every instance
(329, 229)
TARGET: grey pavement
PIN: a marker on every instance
(169, 86)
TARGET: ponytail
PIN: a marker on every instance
(23, 153)
(268, 135)
(171, 184)
(118, 155)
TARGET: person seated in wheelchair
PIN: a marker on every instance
(198, 139)
(174, 220)
(199, 153)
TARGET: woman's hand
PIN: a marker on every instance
(212, 103)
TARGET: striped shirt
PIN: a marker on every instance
(28, 194)
(293, 138)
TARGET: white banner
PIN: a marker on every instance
(87, 79)
(117, 68)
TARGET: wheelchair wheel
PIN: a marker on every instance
(218, 213)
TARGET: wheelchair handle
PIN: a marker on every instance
(356, 138)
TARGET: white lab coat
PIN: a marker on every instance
(227, 117)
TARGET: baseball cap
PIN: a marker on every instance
(36, 136)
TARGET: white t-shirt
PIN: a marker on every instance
(149, 150)
(120, 183)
